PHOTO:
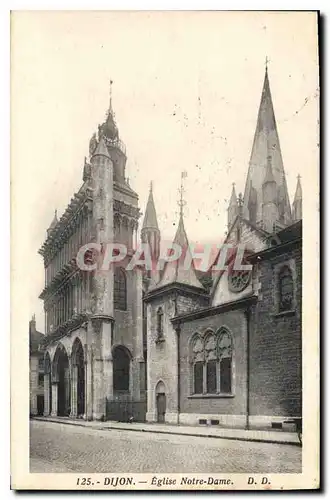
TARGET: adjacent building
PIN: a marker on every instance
(36, 350)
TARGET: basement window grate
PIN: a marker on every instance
(276, 425)
(202, 421)
(214, 422)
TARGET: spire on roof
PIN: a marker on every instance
(297, 202)
(298, 194)
(54, 221)
(266, 144)
(110, 98)
(150, 217)
(175, 272)
(233, 207)
(233, 198)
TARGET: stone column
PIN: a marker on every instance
(54, 399)
(107, 359)
(98, 394)
(88, 383)
(67, 388)
(74, 384)
(46, 395)
(138, 327)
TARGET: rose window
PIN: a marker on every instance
(238, 280)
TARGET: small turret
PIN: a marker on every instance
(297, 202)
(53, 223)
(232, 208)
(150, 232)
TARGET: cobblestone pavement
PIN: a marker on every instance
(65, 448)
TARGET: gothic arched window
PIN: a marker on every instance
(211, 363)
(120, 289)
(198, 365)
(285, 284)
(225, 352)
(211, 360)
(160, 323)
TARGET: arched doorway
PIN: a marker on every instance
(62, 377)
(121, 369)
(78, 376)
(160, 402)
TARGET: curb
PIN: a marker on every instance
(190, 434)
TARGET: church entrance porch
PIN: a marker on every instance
(61, 383)
(78, 384)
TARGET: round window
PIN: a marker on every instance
(238, 280)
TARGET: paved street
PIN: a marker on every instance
(65, 448)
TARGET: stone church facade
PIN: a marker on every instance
(180, 346)
(231, 356)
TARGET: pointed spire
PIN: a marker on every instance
(298, 194)
(54, 221)
(266, 145)
(110, 111)
(297, 202)
(150, 217)
(233, 198)
(175, 272)
(101, 149)
(232, 208)
(109, 128)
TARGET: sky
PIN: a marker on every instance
(186, 92)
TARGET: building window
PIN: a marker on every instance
(41, 364)
(285, 289)
(40, 378)
(160, 323)
(211, 359)
(198, 377)
(120, 289)
(211, 377)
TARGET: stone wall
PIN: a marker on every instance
(275, 344)
(219, 407)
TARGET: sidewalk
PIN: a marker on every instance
(264, 436)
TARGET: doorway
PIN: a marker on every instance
(160, 402)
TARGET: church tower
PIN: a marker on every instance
(93, 314)
(150, 231)
(266, 151)
(297, 202)
(178, 291)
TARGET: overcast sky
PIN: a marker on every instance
(186, 93)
